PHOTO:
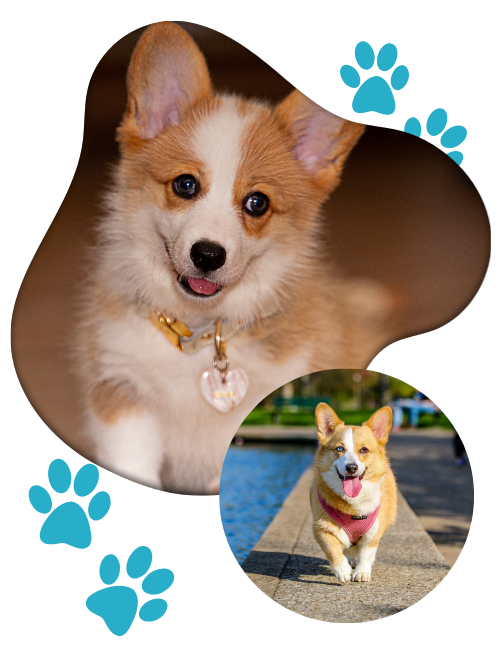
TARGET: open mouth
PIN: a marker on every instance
(199, 286)
(351, 484)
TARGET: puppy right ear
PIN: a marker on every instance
(380, 423)
(326, 421)
(321, 141)
(167, 74)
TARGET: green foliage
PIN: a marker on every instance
(305, 418)
(298, 419)
(399, 388)
(355, 417)
(430, 420)
(259, 416)
(371, 387)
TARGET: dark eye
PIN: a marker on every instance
(363, 450)
(256, 204)
(339, 449)
(185, 186)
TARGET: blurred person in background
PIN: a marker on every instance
(459, 450)
(415, 405)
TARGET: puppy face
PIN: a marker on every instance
(244, 190)
(350, 455)
(216, 199)
(222, 203)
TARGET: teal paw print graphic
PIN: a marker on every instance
(380, 91)
(379, 88)
(81, 519)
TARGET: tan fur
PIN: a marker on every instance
(292, 312)
(373, 436)
(267, 167)
(337, 137)
(110, 400)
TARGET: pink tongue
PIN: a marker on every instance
(199, 285)
(352, 486)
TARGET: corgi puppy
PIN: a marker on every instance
(353, 493)
(213, 220)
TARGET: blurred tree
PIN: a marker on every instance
(373, 389)
(400, 388)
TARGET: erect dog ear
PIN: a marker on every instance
(326, 421)
(380, 423)
(167, 74)
(321, 140)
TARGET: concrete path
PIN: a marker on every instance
(410, 581)
(441, 494)
(288, 566)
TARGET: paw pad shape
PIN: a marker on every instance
(436, 124)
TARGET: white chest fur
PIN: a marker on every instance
(195, 436)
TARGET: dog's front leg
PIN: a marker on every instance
(130, 446)
(351, 554)
(364, 560)
(125, 432)
(332, 548)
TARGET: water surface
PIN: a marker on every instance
(256, 479)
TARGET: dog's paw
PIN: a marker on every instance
(342, 572)
(362, 575)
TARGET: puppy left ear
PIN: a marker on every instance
(326, 421)
(167, 75)
(321, 140)
(380, 423)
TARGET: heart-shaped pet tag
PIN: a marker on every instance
(224, 396)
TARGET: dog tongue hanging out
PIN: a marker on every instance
(353, 494)
(352, 485)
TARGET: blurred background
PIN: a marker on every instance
(353, 394)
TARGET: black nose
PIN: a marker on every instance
(207, 255)
(350, 469)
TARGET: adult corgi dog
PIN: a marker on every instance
(353, 493)
(209, 253)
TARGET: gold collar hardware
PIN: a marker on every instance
(175, 330)
(172, 330)
(220, 343)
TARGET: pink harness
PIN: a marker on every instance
(354, 526)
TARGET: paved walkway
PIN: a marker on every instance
(408, 580)
(440, 493)
(288, 565)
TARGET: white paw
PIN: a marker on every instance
(362, 575)
(342, 572)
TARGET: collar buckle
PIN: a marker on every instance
(171, 329)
